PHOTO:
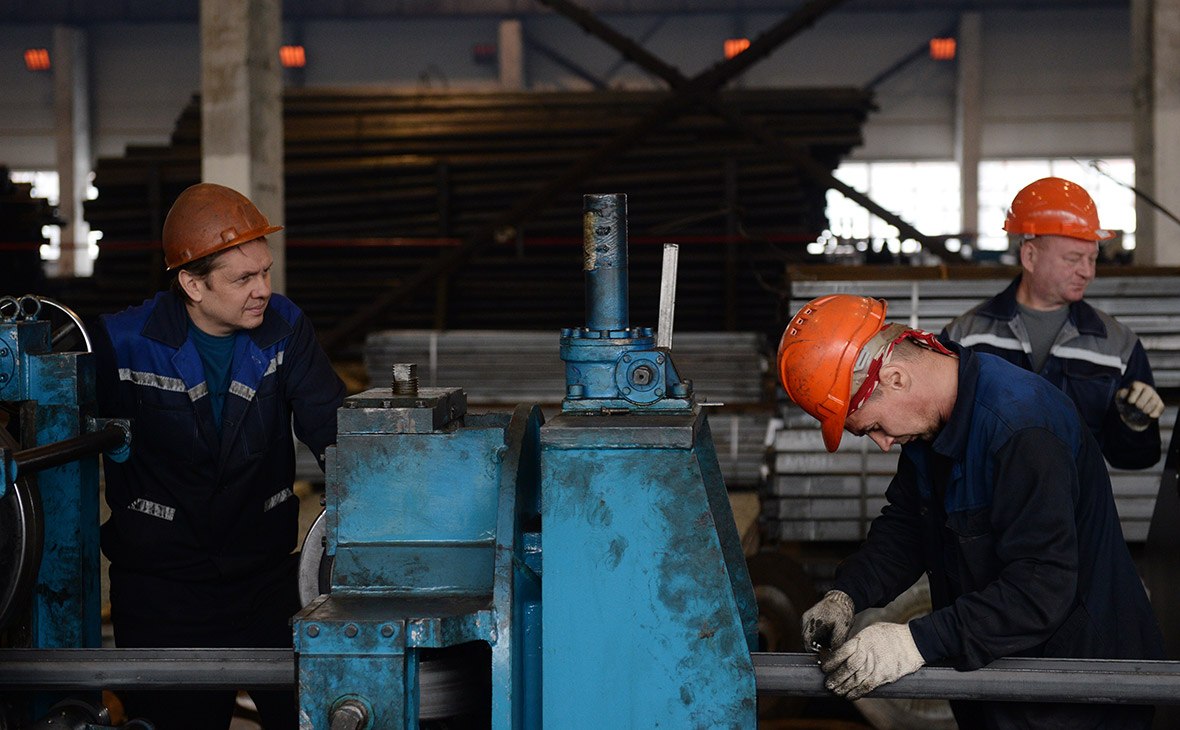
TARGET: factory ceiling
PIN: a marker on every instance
(155, 11)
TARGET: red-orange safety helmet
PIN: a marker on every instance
(1052, 206)
(207, 218)
(818, 352)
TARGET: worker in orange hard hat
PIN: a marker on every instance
(204, 519)
(1041, 323)
(1001, 496)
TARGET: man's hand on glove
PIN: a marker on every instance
(879, 654)
(827, 623)
(1139, 405)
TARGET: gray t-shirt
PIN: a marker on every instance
(1042, 328)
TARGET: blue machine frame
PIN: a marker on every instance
(56, 397)
(649, 614)
(429, 512)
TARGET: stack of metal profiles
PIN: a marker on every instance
(380, 185)
(813, 495)
(22, 218)
(506, 367)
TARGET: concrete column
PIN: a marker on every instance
(242, 109)
(1155, 40)
(510, 51)
(71, 101)
(968, 124)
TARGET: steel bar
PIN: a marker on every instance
(38, 458)
(667, 311)
(1009, 680)
(115, 669)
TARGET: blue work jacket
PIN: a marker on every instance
(191, 503)
(1009, 511)
(1093, 357)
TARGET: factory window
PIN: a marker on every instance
(926, 194)
(1105, 180)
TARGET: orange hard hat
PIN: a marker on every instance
(1052, 206)
(818, 353)
(207, 218)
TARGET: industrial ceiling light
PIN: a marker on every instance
(292, 56)
(942, 49)
(37, 59)
(734, 46)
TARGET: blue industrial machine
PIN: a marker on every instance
(432, 562)
(432, 537)
(649, 615)
(49, 442)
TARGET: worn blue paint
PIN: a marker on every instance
(427, 510)
(632, 609)
(649, 615)
(57, 395)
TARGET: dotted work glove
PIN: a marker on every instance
(880, 654)
(827, 623)
(1139, 405)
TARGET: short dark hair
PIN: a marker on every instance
(199, 268)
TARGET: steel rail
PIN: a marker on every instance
(1009, 680)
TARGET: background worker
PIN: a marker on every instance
(203, 516)
(1041, 323)
(1001, 497)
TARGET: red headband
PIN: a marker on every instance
(873, 374)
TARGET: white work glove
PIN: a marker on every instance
(1142, 401)
(880, 654)
(827, 623)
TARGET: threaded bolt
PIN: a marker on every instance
(405, 378)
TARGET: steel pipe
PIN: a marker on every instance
(604, 261)
(1117, 681)
(38, 458)
(1009, 680)
(116, 669)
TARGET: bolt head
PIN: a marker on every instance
(313, 630)
(643, 375)
(350, 630)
